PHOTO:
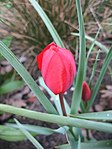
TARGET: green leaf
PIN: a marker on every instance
(93, 145)
(40, 130)
(105, 116)
(100, 78)
(47, 22)
(61, 120)
(79, 143)
(11, 134)
(100, 45)
(64, 146)
(93, 43)
(7, 41)
(76, 99)
(29, 136)
(94, 68)
(11, 86)
(7, 53)
(72, 139)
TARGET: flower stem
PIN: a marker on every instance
(62, 104)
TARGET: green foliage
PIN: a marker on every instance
(93, 145)
(28, 135)
(10, 86)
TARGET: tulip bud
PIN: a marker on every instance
(58, 67)
(86, 92)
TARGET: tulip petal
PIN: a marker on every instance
(68, 59)
(40, 56)
(55, 77)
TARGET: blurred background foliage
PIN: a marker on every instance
(25, 24)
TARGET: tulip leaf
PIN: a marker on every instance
(79, 143)
(11, 134)
(90, 145)
(94, 68)
(93, 43)
(39, 129)
(7, 53)
(100, 78)
(100, 45)
(47, 22)
(57, 119)
(76, 99)
(104, 116)
(29, 136)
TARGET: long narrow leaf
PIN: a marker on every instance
(105, 49)
(101, 75)
(91, 145)
(76, 99)
(94, 68)
(47, 22)
(11, 134)
(105, 116)
(93, 43)
(7, 53)
(29, 136)
(39, 129)
(61, 120)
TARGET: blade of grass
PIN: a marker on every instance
(29, 136)
(61, 120)
(7, 53)
(47, 22)
(101, 75)
(76, 99)
(105, 49)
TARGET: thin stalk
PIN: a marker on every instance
(62, 104)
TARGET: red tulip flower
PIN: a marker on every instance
(86, 92)
(58, 67)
